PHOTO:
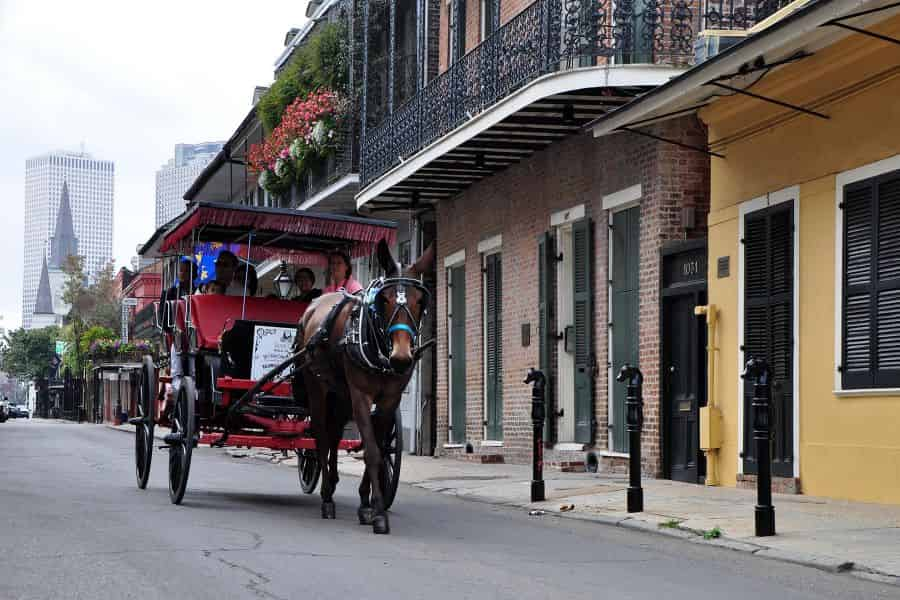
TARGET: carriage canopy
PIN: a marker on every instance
(268, 231)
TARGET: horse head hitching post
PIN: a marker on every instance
(634, 418)
(538, 414)
(757, 369)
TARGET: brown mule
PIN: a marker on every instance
(337, 387)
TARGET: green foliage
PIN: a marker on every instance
(92, 306)
(711, 534)
(670, 524)
(320, 63)
(26, 353)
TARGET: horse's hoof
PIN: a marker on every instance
(380, 524)
(328, 510)
(366, 515)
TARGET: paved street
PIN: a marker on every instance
(74, 525)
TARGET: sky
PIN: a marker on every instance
(128, 80)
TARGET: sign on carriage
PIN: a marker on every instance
(271, 345)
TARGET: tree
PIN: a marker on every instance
(27, 353)
(93, 305)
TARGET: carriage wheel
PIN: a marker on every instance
(182, 439)
(391, 456)
(309, 469)
(143, 438)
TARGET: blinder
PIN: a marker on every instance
(377, 302)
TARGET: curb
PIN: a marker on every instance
(821, 562)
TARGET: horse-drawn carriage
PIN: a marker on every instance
(270, 372)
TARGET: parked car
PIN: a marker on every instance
(18, 411)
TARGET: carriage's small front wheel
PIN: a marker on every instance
(181, 440)
(143, 438)
(309, 469)
(391, 457)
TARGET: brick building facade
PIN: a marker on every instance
(517, 204)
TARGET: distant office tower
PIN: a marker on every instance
(176, 176)
(68, 210)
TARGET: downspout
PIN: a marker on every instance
(710, 415)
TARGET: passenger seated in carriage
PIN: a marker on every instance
(304, 280)
(340, 274)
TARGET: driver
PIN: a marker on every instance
(340, 274)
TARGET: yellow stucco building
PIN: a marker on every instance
(804, 240)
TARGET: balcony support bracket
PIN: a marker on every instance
(653, 136)
(839, 23)
(781, 103)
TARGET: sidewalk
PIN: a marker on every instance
(833, 535)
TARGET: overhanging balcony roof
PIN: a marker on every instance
(547, 110)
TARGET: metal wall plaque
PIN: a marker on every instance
(526, 334)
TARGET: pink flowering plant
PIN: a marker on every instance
(307, 134)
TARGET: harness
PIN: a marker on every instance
(367, 334)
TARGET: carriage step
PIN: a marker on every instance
(137, 420)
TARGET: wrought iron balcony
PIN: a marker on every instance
(548, 36)
(739, 14)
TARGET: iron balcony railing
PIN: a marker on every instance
(739, 14)
(548, 36)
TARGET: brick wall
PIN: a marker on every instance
(517, 203)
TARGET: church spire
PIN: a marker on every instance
(63, 244)
(43, 304)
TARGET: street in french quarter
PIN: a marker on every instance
(75, 526)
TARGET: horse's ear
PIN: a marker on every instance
(425, 262)
(386, 259)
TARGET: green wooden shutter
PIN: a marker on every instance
(494, 347)
(626, 236)
(457, 282)
(546, 333)
(583, 297)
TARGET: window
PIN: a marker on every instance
(490, 17)
(457, 30)
(870, 353)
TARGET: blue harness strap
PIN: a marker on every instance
(402, 327)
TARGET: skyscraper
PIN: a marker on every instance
(68, 210)
(176, 176)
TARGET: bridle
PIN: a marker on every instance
(374, 298)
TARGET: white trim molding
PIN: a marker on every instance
(750, 206)
(842, 180)
(491, 443)
(623, 198)
(491, 244)
(455, 259)
(611, 76)
(570, 215)
(343, 182)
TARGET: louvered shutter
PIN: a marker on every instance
(769, 325)
(546, 337)
(494, 358)
(871, 304)
(582, 295)
(457, 276)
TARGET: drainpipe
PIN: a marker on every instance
(710, 415)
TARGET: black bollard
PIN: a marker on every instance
(539, 383)
(757, 369)
(634, 419)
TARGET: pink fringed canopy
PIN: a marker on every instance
(293, 235)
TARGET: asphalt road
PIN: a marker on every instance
(74, 525)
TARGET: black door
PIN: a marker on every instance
(769, 326)
(684, 359)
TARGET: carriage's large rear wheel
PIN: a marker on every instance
(309, 469)
(181, 440)
(143, 438)
(391, 456)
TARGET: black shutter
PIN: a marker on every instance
(769, 325)
(494, 358)
(871, 307)
(583, 299)
(546, 334)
